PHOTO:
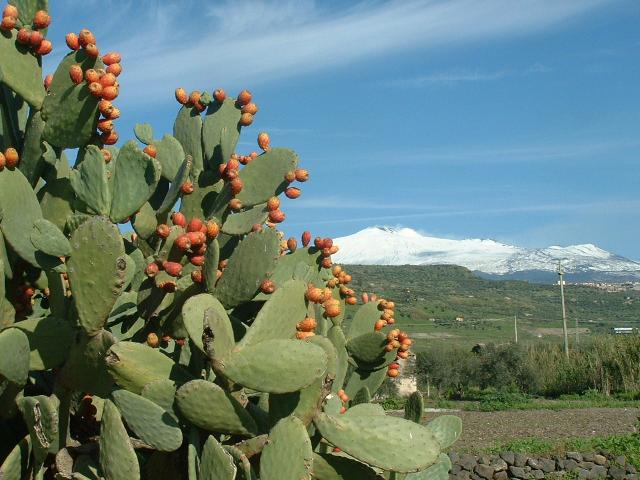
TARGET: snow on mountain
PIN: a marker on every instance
(404, 246)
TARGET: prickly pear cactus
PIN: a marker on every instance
(154, 322)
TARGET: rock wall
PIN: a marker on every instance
(521, 466)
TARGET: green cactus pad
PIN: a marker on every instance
(385, 442)
(220, 132)
(334, 467)
(264, 176)
(150, 422)
(209, 407)
(364, 320)
(118, 459)
(437, 471)
(145, 222)
(86, 467)
(181, 176)
(367, 350)
(49, 239)
(242, 222)
(143, 132)
(18, 463)
(193, 313)
(97, 265)
(162, 393)
(200, 203)
(336, 336)
(248, 266)
(170, 155)
(32, 162)
(362, 396)
(288, 454)
(365, 409)
(210, 267)
(136, 178)
(414, 407)
(372, 379)
(279, 315)
(90, 183)
(187, 129)
(276, 366)
(50, 340)
(19, 210)
(41, 417)
(216, 463)
(303, 404)
(85, 369)
(446, 429)
(69, 110)
(14, 361)
(134, 365)
(20, 69)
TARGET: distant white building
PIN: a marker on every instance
(623, 330)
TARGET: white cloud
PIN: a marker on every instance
(250, 42)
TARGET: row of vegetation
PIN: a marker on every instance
(605, 366)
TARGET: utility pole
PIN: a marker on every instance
(564, 310)
(515, 326)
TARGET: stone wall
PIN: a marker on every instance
(521, 466)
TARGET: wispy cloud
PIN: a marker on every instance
(238, 42)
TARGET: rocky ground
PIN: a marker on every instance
(484, 429)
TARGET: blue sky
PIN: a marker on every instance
(517, 120)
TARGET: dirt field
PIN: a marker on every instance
(483, 429)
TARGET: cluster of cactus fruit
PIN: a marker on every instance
(200, 344)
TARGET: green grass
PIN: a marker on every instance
(627, 445)
(429, 298)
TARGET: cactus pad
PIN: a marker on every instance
(14, 361)
(414, 407)
(48, 238)
(446, 429)
(118, 459)
(50, 340)
(334, 467)
(288, 454)
(216, 463)
(20, 69)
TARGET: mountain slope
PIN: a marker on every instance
(389, 246)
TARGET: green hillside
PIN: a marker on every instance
(430, 298)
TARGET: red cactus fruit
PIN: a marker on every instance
(115, 69)
(306, 238)
(179, 219)
(172, 268)
(75, 73)
(290, 177)
(47, 82)
(194, 97)
(326, 262)
(151, 150)
(152, 340)
(246, 119)
(105, 125)
(163, 230)
(251, 108)
(195, 225)
(267, 286)
(379, 325)
(35, 39)
(244, 97)
(393, 373)
(213, 229)
(181, 96)
(96, 89)
(273, 203)
(92, 50)
(110, 93)
(91, 75)
(196, 238)
(24, 36)
(196, 276)
(152, 269)
(111, 58)
(72, 41)
(104, 106)
(236, 185)
(107, 156)
(11, 157)
(186, 188)
(197, 260)
(301, 174)
(3, 161)
(113, 114)
(219, 95)
(264, 141)
(276, 216)
(292, 192)
(85, 37)
(108, 80)
(303, 335)
(8, 23)
(10, 11)
(183, 243)
(41, 19)
(235, 204)
(332, 308)
(307, 325)
(292, 244)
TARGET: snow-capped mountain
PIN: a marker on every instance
(404, 246)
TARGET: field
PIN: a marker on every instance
(430, 298)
